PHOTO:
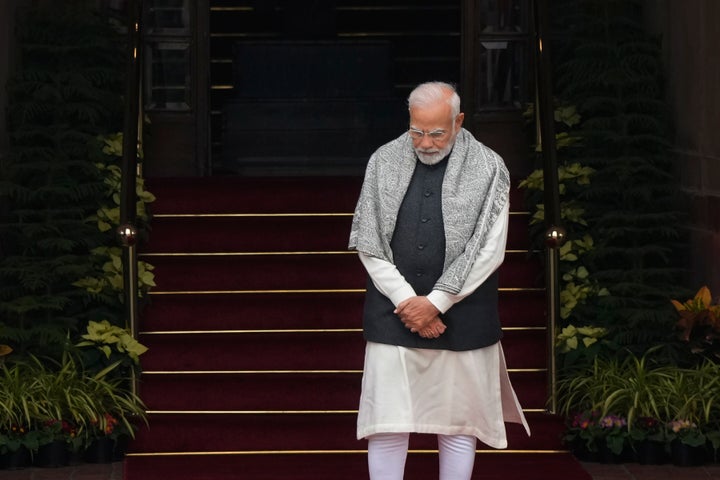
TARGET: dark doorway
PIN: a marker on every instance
(313, 87)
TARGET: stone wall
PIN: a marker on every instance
(691, 34)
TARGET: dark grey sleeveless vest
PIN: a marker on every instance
(418, 247)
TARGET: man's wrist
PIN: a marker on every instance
(440, 300)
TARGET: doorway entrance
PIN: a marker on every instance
(314, 87)
(290, 87)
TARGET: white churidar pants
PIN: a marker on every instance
(387, 453)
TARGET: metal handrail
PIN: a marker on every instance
(127, 231)
(554, 233)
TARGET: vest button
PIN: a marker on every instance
(421, 246)
(428, 193)
(424, 220)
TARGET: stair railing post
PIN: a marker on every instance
(554, 233)
(127, 230)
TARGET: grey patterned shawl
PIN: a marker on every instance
(474, 192)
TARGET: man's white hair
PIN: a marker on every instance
(430, 93)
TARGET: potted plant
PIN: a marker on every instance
(581, 434)
(16, 444)
(713, 437)
(699, 323)
(56, 422)
(117, 411)
(614, 438)
(690, 405)
(687, 443)
(603, 396)
(648, 437)
(106, 344)
(53, 443)
(18, 407)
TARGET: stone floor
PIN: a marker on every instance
(634, 471)
(113, 471)
(85, 471)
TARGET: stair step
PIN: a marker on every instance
(286, 391)
(295, 271)
(231, 194)
(271, 233)
(258, 272)
(298, 431)
(236, 311)
(489, 465)
(302, 350)
(249, 234)
(255, 346)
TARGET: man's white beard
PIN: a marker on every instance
(433, 155)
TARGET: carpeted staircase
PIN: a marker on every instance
(255, 349)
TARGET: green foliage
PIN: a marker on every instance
(61, 173)
(577, 288)
(661, 402)
(579, 346)
(105, 344)
(65, 92)
(104, 280)
(612, 71)
(622, 210)
(41, 401)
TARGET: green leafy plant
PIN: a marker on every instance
(686, 432)
(592, 431)
(614, 431)
(648, 429)
(661, 403)
(56, 431)
(582, 430)
(691, 396)
(107, 279)
(611, 69)
(113, 342)
(16, 437)
(43, 402)
(108, 215)
(118, 410)
(66, 91)
(579, 345)
(104, 282)
(577, 287)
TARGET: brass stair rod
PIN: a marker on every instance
(127, 230)
(554, 234)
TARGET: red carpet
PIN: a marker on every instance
(255, 353)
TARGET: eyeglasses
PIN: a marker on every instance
(417, 134)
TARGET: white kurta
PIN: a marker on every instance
(438, 391)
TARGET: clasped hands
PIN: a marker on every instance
(420, 316)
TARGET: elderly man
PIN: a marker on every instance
(430, 228)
